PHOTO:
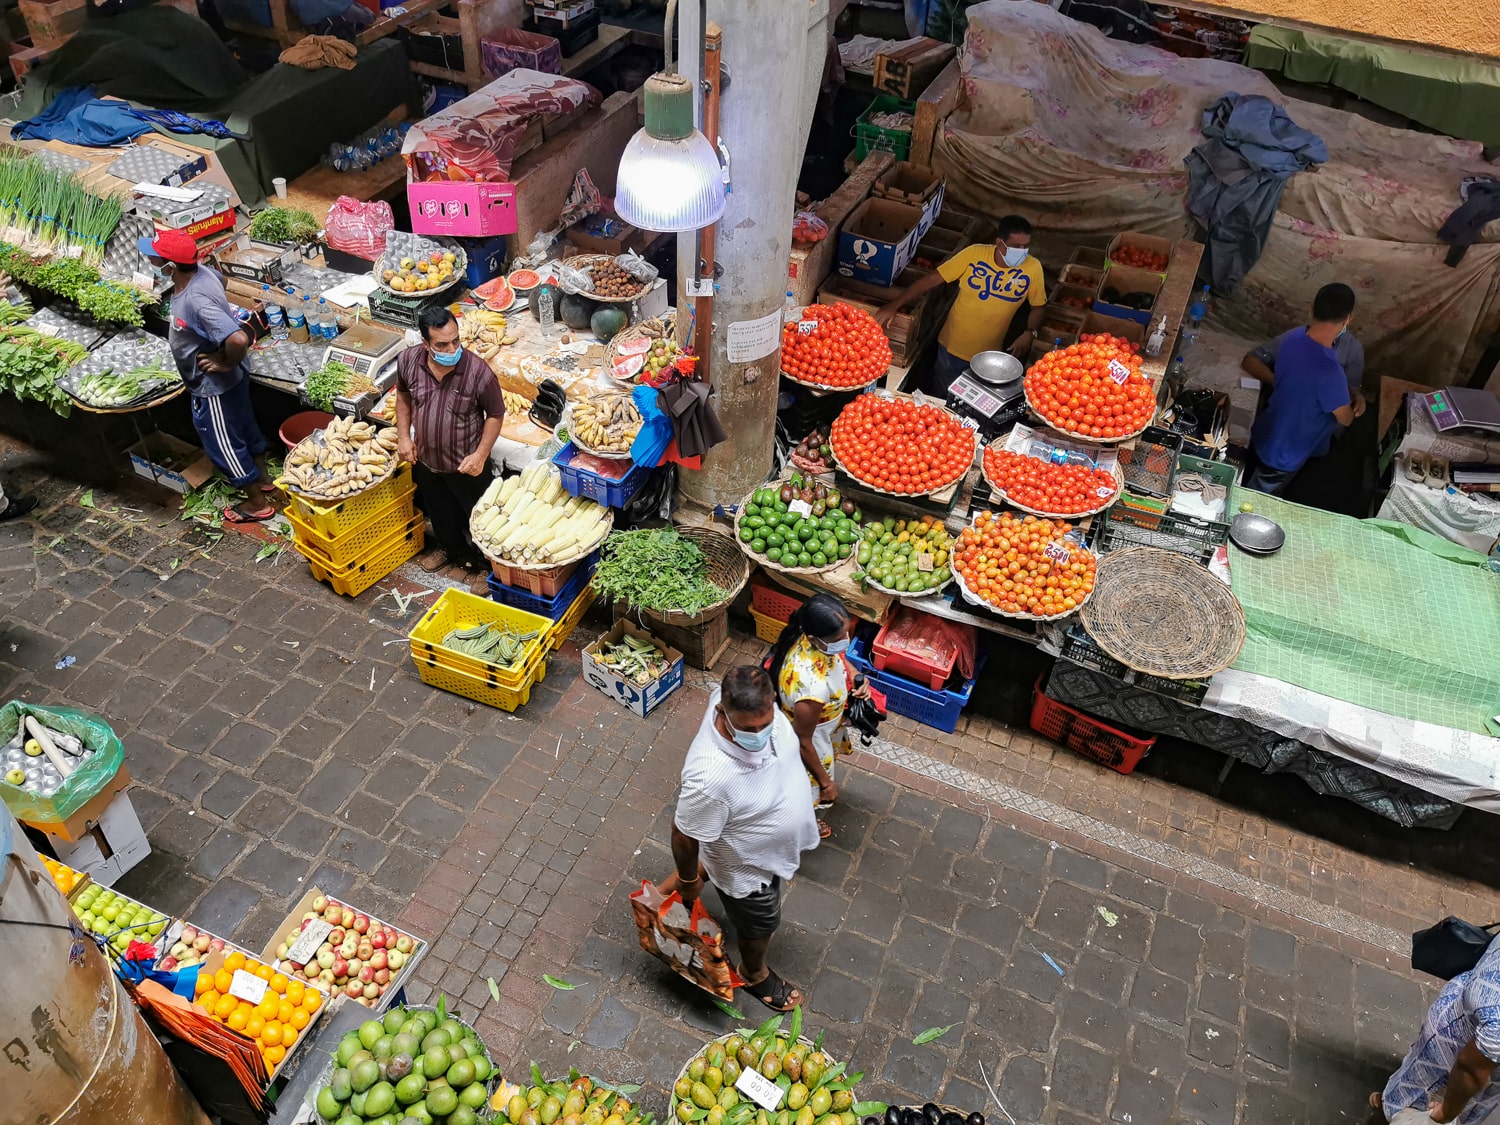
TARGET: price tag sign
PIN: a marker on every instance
(247, 986)
(1104, 491)
(800, 508)
(46, 329)
(968, 423)
(1118, 371)
(759, 1089)
(924, 562)
(807, 327)
(302, 950)
(1056, 552)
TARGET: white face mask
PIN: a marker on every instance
(1014, 256)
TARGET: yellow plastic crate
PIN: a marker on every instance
(767, 629)
(479, 688)
(354, 544)
(565, 624)
(336, 519)
(352, 579)
(456, 609)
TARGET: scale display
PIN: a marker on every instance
(976, 396)
(1459, 407)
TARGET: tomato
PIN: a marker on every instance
(1080, 389)
(844, 349)
(899, 446)
(1024, 565)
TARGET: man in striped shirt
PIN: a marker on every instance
(449, 410)
(744, 817)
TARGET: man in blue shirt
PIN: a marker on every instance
(209, 345)
(1310, 397)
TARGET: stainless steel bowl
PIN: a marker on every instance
(1255, 533)
(996, 368)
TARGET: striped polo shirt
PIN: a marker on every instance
(750, 812)
(448, 414)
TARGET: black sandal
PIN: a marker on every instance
(774, 992)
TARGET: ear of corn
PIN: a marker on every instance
(530, 519)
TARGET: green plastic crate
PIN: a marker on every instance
(870, 138)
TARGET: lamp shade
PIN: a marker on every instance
(669, 178)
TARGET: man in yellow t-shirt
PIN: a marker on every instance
(993, 282)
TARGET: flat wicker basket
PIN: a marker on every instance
(1163, 614)
(725, 566)
(657, 328)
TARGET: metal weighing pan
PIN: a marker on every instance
(1256, 534)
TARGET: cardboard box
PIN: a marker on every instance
(1097, 322)
(114, 845)
(74, 828)
(1154, 243)
(169, 462)
(879, 240)
(509, 48)
(399, 979)
(1123, 280)
(636, 699)
(629, 238)
(264, 265)
(214, 224)
(469, 210)
(906, 182)
(215, 961)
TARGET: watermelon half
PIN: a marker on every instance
(522, 280)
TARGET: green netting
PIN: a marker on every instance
(84, 783)
(1383, 616)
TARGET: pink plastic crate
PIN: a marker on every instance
(464, 210)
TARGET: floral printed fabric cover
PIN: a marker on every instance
(476, 138)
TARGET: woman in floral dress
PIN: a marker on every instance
(1447, 1074)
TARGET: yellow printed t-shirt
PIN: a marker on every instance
(988, 297)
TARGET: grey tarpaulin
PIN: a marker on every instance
(1115, 702)
(1251, 148)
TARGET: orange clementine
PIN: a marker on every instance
(300, 1018)
(265, 972)
(225, 1005)
(255, 1025)
(295, 990)
(205, 982)
(284, 1011)
(222, 980)
(209, 999)
(313, 1000)
(270, 1035)
(278, 982)
(269, 1007)
(274, 1055)
(237, 1020)
(288, 1035)
(235, 960)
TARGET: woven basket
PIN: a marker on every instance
(761, 559)
(1161, 613)
(322, 498)
(657, 328)
(1001, 495)
(1060, 428)
(584, 261)
(790, 378)
(722, 1039)
(724, 565)
(974, 599)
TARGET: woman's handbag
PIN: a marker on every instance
(1451, 947)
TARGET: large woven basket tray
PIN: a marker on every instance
(726, 567)
(1163, 614)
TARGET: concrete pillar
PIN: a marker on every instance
(773, 51)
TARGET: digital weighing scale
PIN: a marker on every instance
(368, 350)
(994, 408)
(1463, 407)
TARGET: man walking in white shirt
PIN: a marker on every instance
(743, 820)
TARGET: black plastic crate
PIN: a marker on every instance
(1079, 648)
(574, 37)
(1151, 465)
(809, 409)
(1125, 526)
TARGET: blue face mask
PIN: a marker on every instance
(753, 740)
(1014, 256)
(833, 648)
(446, 359)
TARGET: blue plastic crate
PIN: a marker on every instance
(551, 608)
(937, 709)
(486, 258)
(582, 482)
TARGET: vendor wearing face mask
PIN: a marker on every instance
(448, 414)
(993, 282)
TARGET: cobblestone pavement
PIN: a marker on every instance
(1092, 968)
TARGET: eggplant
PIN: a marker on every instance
(932, 1113)
(951, 1119)
(893, 1116)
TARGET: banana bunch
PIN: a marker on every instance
(531, 519)
(605, 424)
(483, 332)
(341, 461)
(515, 403)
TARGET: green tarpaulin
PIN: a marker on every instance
(1457, 96)
(1381, 615)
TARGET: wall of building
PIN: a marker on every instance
(1471, 26)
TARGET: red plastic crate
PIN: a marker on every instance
(773, 601)
(1086, 735)
(889, 658)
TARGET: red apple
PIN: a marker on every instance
(320, 903)
(367, 974)
(188, 935)
(395, 959)
(336, 936)
(201, 943)
(379, 959)
(377, 939)
(382, 976)
(364, 951)
(340, 967)
(325, 976)
(167, 964)
(333, 914)
(346, 918)
(371, 991)
(354, 990)
(216, 945)
(361, 923)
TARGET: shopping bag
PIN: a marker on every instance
(691, 942)
(1451, 947)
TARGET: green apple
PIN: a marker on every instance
(15, 777)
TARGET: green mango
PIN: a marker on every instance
(713, 1078)
(683, 1088)
(770, 1066)
(329, 1107)
(796, 1097)
(729, 1097)
(732, 1071)
(842, 1100)
(820, 1102)
(513, 1109)
(703, 1097)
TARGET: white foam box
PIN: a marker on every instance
(109, 849)
(637, 699)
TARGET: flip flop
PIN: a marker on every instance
(234, 515)
(774, 992)
(823, 830)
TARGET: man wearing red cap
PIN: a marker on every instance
(209, 346)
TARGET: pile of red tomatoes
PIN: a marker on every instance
(1092, 389)
(1140, 258)
(842, 348)
(897, 446)
(1041, 486)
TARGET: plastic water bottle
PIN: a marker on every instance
(296, 320)
(793, 313)
(1158, 338)
(545, 313)
(328, 325)
(1199, 308)
(275, 317)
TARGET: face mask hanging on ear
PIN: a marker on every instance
(1014, 256)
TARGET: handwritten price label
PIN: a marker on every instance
(247, 986)
(302, 950)
(807, 327)
(1104, 491)
(759, 1089)
(924, 562)
(1056, 552)
(800, 508)
(1118, 371)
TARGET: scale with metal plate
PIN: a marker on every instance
(367, 350)
(990, 393)
(1463, 407)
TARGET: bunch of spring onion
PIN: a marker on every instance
(47, 210)
(107, 388)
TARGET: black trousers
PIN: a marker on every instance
(448, 499)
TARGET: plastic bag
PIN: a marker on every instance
(582, 201)
(690, 942)
(84, 783)
(572, 279)
(359, 228)
(539, 249)
(933, 639)
(808, 227)
(637, 266)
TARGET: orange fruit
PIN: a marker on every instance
(278, 983)
(254, 1025)
(274, 1055)
(313, 1000)
(235, 960)
(270, 1035)
(295, 990)
(236, 1020)
(265, 972)
(224, 1006)
(284, 1011)
(269, 1008)
(288, 1035)
(205, 982)
(209, 999)
(300, 1018)
(222, 980)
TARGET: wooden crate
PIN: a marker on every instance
(907, 72)
(51, 22)
(702, 645)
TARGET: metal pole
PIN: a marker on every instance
(769, 47)
(703, 307)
